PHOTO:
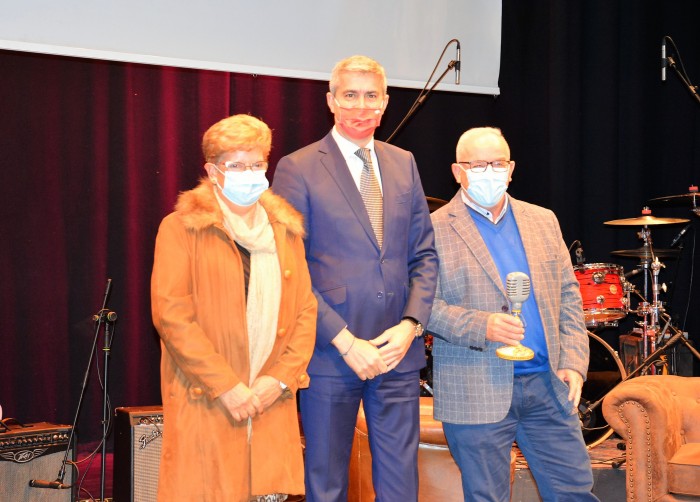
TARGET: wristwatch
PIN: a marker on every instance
(286, 393)
(416, 325)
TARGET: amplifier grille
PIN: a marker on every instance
(138, 441)
(34, 451)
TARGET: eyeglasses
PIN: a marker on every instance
(367, 101)
(239, 167)
(479, 166)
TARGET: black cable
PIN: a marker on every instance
(680, 59)
(682, 74)
(573, 244)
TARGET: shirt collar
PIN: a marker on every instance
(347, 147)
(485, 212)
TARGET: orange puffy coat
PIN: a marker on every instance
(199, 310)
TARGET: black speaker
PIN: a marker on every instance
(680, 359)
(34, 451)
(675, 360)
(137, 444)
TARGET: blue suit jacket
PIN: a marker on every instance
(355, 282)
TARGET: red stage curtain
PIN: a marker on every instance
(95, 154)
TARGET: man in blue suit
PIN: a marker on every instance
(373, 267)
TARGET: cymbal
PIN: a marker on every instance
(646, 220)
(645, 254)
(686, 199)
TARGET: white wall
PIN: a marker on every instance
(290, 38)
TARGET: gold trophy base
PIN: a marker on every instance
(515, 353)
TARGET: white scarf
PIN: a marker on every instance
(265, 284)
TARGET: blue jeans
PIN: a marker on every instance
(549, 437)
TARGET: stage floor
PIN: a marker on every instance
(608, 481)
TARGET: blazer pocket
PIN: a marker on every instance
(335, 296)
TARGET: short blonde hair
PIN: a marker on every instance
(471, 135)
(238, 132)
(356, 63)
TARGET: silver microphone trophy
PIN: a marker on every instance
(517, 290)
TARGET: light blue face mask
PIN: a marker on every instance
(487, 188)
(244, 188)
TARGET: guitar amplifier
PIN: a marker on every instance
(137, 445)
(34, 451)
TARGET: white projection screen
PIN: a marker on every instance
(287, 38)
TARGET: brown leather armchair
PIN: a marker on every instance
(439, 476)
(658, 416)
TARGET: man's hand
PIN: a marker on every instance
(267, 389)
(362, 357)
(241, 403)
(575, 382)
(504, 328)
(395, 342)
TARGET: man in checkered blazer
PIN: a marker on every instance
(486, 402)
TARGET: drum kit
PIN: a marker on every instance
(607, 298)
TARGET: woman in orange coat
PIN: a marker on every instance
(232, 303)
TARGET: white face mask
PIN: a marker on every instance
(487, 188)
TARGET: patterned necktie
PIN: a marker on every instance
(371, 194)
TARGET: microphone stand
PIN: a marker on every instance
(420, 101)
(58, 483)
(109, 319)
(424, 94)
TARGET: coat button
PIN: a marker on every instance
(196, 392)
(281, 332)
(505, 308)
(287, 274)
(380, 295)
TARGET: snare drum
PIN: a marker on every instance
(604, 297)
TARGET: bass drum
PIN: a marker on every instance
(605, 371)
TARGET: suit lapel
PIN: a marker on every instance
(334, 162)
(531, 239)
(465, 227)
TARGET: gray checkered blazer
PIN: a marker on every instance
(472, 385)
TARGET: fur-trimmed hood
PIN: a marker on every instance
(199, 209)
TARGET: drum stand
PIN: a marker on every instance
(651, 314)
(650, 332)
(678, 336)
(649, 311)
